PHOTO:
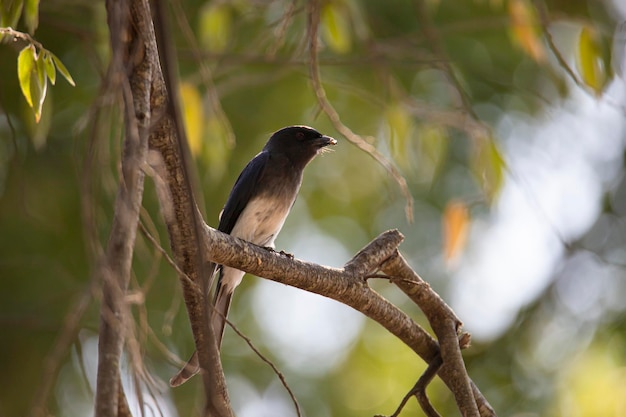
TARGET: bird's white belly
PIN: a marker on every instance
(260, 221)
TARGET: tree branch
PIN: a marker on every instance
(446, 326)
(419, 390)
(185, 226)
(442, 60)
(115, 271)
(66, 336)
(313, 14)
(348, 285)
(132, 72)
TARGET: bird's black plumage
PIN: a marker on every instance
(257, 207)
(242, 192)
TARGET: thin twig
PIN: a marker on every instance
(170, 314)
(66, 336)
(544, 18)
(116, 265)
(281, 33)
(419, 390)
(205, 71)
(333, 115)
(452, 118)
(21, 35)
(167, 257)
(265, 359)
(422, 383)
(433, 38)
(545, 21)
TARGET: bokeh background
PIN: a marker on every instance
(507, 119)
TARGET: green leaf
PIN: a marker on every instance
(49, 66)
(64, 72)
(215, 26)
(31, 15)
(336, 27)
(31, 74)
(617, 51)
(401, 128)
(216, 155)
(433, 145)
(488, 166)
(25, 66)
(41, 69)
(10, 12)
(38, 89)
(591, 60)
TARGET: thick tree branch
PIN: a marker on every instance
(444, 323)
(185, 222)
(132, 75)
(348, 285)
(338, 284)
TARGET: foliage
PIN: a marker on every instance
(35, 64)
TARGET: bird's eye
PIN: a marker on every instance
(300, 136)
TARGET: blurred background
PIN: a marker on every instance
(507, 119)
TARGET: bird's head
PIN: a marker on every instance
(298, 143)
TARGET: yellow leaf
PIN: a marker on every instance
(32, 79)
(336, 27)
(401, 127)
(216, 155)
(215, 26)
(455, 228)
(433, 143)
(192, 115)
(488, 166)
(25, 65)
(525, 29)
(590, 61)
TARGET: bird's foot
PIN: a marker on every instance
(282, 252)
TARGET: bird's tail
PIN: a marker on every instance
(218, 315)
(191, 368)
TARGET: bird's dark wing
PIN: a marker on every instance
(242, 191)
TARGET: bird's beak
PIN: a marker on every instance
(326, 140)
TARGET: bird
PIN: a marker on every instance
(256, 210)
